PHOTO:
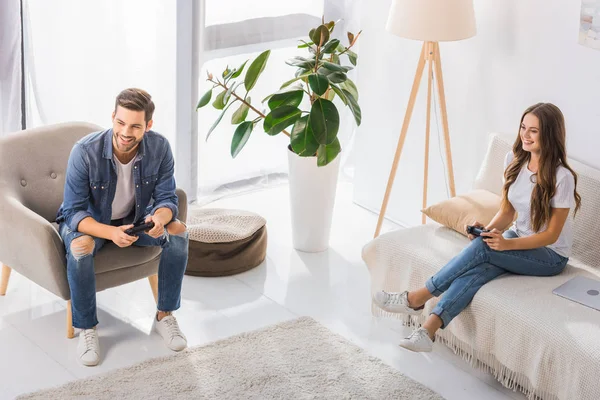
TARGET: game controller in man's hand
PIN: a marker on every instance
(139, 228)
(476, 230)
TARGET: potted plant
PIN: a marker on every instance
(306, 103)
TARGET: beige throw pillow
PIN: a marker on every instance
(456, 212)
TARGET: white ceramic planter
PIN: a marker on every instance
(312, 197)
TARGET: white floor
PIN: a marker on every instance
(332, 287)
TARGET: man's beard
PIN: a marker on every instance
(125, 147)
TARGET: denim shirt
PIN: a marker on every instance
(91, 179)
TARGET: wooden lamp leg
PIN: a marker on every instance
(153, 280)
(407, 116)
(70, 330)
(4, 279)
(430, 55)
(440, 86)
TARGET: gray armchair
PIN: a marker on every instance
(32, 177)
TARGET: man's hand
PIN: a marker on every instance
(495, 240)
(120, 238)
(476, 225)
(159, 228)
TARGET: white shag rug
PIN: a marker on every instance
(298, 359)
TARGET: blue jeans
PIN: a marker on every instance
(82, 277)
(477, 264)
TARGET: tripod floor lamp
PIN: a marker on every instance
(430, 21)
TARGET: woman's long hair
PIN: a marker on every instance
(553, 154)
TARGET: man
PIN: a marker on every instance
(115, 178)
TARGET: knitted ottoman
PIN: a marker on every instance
(225, 242)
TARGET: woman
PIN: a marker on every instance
(541, 187)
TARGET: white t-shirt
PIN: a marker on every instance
(125, 193)
(519, 195)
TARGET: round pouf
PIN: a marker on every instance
(225, 242)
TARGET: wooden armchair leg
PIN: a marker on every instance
(4, 279)
(153, 279)
(70, 330)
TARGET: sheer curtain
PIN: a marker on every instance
(10, 67)
(80, 54)
(233, 32)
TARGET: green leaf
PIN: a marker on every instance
(341, 94)
(354, 107)
(335, 59)
(351, 87)
(330, 95)
(280, 118)
(352, 57)
(337, 77)
(212, 128)
(228, 93)
(226, 72)
(305, 44)
(301, 76)
(328, 152)
(283, 90)
(286, 98)
(240, 137)
(301, 71)
(331, 46)
(333, 76)
(324, 121)
(308, 45)
(311, 33)
(301, 62)
(204, 99)
(303, 141)
(330, 25)
(318, 83)
(335, 67)
(320, 36)
(238, 71)
(219, 102)
(255, 69)
(241, 113)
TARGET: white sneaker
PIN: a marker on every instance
(418, 341)
(395, 302)
(170, 332)
(88, 348)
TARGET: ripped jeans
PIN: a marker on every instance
(82, 276)
(477, 264)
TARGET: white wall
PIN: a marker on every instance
(524, 52)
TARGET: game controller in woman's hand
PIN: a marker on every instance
(476, 230)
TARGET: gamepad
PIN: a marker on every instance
(476, 231)
(140, 227)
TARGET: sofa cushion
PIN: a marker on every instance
(459, 211)
(515, 326)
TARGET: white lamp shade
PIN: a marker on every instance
(432, 20)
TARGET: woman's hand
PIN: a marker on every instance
(495, 240)
(476, 225)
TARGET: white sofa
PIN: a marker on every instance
(530, 339)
